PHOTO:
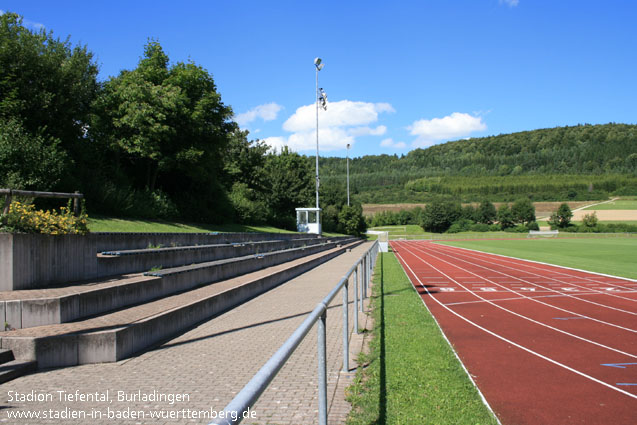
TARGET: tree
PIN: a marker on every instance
(352, 221)
(487, 213)
(46, 86)
(26, 161)
(523, 211)
(505, 217)
(169, 129)
(439, 215)
(562, 217)
(290, 185)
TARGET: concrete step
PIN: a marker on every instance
(15, 369)
(10, 368)
(6, 356)
(117, 262)
(51, 306)
(120, 334)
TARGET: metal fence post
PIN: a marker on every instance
(322, 369)
(362, 284)
(356, 300)
(345, 326)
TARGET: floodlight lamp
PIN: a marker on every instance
(318, 63)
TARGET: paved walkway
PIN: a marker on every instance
(192, 377)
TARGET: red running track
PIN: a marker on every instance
(544, 344)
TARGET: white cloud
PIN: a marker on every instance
(339, 114)
(341, 124)
(367, 131)
(510, 3)
(455, 126)
(389, 143)
(266, 112)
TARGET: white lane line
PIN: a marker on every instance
(508, 341)
(582, 288)
(528, 318)
(523, 295)
(512, 298)
(507, 259)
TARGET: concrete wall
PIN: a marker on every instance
(30, 261)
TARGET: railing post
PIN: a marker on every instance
(345, 327)
(362, 283)
(356, 299)
(322, 369)
(366, 265)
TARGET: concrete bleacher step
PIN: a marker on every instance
(24, 309)
(117, 335)
(117, 262)
(10, 368)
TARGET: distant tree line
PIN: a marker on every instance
(156, 141)
(440, 216)
(584, 162)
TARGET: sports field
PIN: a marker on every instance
(616, 256)
(544, 344)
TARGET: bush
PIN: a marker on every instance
(590, 220)
(533, 226)
(480, 227)
(520, 228)
(25, 218)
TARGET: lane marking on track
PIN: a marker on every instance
(508, 259)
(517, 293)
(566, 289)
(619, 365)
(483, 256)
(569, 318)
(528, 318)
(528, 350)
(509, 299)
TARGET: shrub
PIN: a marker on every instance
(589, 220)
(533, 226)
(25, 218)
(480, 227)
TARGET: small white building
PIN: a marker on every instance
(308, 220)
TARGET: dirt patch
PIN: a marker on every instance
(607, 215)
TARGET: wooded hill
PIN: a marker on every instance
(583, 162)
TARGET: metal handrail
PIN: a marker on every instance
(241, 404)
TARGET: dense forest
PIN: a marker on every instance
(580, 162)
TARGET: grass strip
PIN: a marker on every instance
(109, 224)
(615, 256)
(412, 375)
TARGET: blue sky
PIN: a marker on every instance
(398, 75)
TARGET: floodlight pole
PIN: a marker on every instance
(317, 64)
(348, 174)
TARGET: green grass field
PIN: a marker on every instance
(615, 256)
(108, 224)
(620, 204)
(412, 377)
